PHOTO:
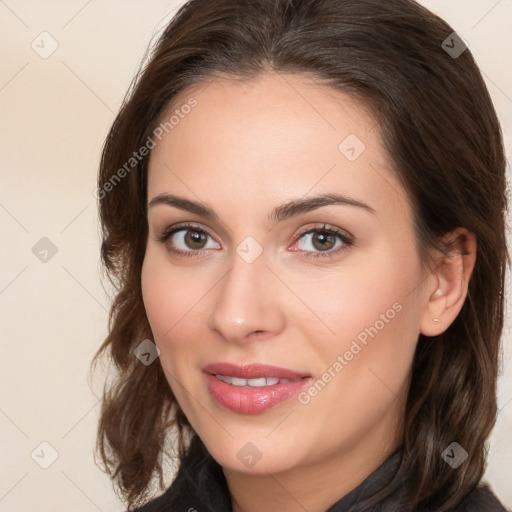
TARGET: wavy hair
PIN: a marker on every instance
(441, 131)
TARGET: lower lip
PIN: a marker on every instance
(252, 400)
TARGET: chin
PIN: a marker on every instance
(252, 454)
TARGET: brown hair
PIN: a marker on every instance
(442, 134)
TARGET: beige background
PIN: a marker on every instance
(55, 112)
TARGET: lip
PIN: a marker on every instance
(252, 400)
(252, 371)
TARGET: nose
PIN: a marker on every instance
(247, 303)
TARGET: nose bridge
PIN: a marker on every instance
(243, 303)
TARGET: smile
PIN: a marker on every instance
(254, 388)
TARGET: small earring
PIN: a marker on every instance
(436, 320)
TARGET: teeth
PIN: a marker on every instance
(255, 383)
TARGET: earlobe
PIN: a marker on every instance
(452, 273)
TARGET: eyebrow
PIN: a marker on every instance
(286, 210)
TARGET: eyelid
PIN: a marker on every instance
(170, 230)
(322, 226)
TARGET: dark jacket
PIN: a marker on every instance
(203, 488)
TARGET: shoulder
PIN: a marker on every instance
(481, 499)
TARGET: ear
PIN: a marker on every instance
(451, 273)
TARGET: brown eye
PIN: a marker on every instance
(187, 240)
(195, 239)
(323, 241)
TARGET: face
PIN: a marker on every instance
(290, 254)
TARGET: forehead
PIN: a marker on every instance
(274, 99)
(270, 136)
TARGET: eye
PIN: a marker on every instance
(186, 240)
(329, 241)
(192, 241)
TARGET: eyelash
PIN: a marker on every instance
(331, 230)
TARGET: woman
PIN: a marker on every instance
(302, 205)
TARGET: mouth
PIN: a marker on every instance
(254, 388)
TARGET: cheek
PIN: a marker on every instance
(168, 294)
(363, 372)
(176, 305)
(168, 301)
(159, 304)
(355, 297)
(373, 321)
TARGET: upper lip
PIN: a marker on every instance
(252, 371)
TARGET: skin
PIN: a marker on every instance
(246, 148)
